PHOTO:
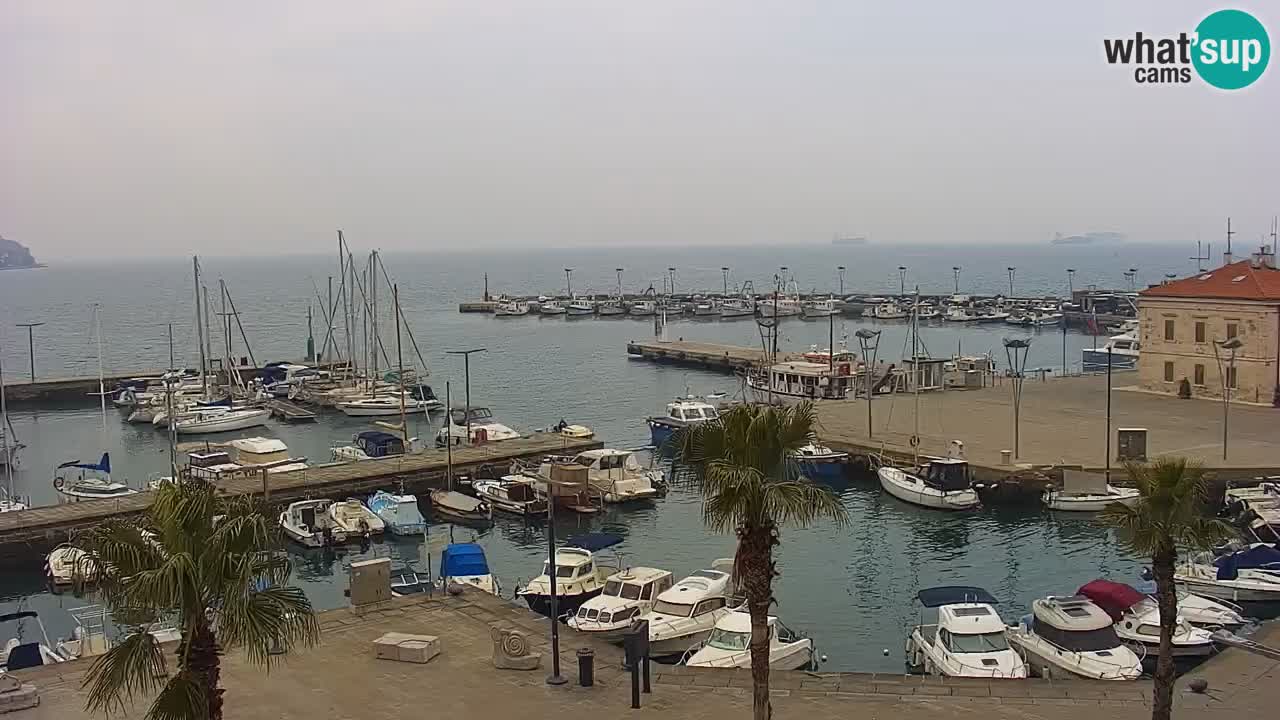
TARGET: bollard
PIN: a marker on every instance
(635, 685)
(586, 667)
(1006, 457)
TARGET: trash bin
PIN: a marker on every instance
(586, 667)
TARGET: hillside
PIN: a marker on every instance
(14, 255)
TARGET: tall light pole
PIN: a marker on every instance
(31, 346)
(1228, 381)
(724, 272)
(840, 269)
(568, 281)
(1071, 284)
(466, 370)
(1132, 276)
(619, 272)
(869, 341)
(671, 272)
(902, 280)
(1012, 270)
(955, 273)
(1016, 353)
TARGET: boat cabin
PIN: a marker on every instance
(376, 444)
(817, 381)
(1074, 623)
(260, 451)
(925, 373)
(476, 415)
(610, 462)
(947, 474)
(703, 592)
(691, 411)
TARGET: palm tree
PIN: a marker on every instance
(1168, 516)
(751, 484)
(212, 565)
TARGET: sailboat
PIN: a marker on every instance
(9, 502)
(940, 483)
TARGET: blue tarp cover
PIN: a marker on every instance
(463, 560)
(593, 542)
(954, 595)
(1258, 556)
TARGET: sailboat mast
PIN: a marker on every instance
(373, 293)
(204, 369)
(4, 439)
(915, 378)
(404, 425)
(169, 380)
(448, 436)
(102, 385)
(208, 333)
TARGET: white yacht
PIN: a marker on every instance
(484, 428)
(1070, 636)
(1123, 351)
(626, 595)
(1249, 575)
(68, 565)
(801, 380)
(211, 420)
(729, 645)
(613, 474)
(399, 513)
(308, 522)
(684, 616)
(512, 494)
(683, 412)
(353, 518)
(968, 639)
(384, 406)
(513, 308)
(942, 484)
(579, 575)
(93, 482)
(1137, 620)
(465, 563)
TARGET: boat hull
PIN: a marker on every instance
(832, 469)
(566, 605)
(1058, 665)
(375, 411)
(242, 421)
(1208, 588)
(922, 495)
(1086, 503)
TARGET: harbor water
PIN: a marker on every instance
(851, 588)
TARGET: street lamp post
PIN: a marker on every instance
(1071, 284)
(619, 272)
(31, 346)
(671, 272)
(1132, 276)
(466, 370)
(840, 269)
(553, 579)
(869, 341)
(724, 272)
(1228, 381)
(1012, 270)
(955, 272)
(568, 282)
(902, 280)
(1016, 353)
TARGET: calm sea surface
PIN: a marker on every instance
(851, 588)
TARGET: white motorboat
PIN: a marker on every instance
(264, 452)
(643, 308)
(942, 484)
(19, 653)
(681, 413)
(512, 308)
(68, 565)
(684, 616)
(925, 311)
(1137, 620)
(1122, 350)
(1087, 492)
(370, 444)
(580, 307)
(399, 513)
(612, 307)
(626, 595)
(1207, 613)
(1071, 636)
(552, 307)
(706, 309)
(92, 483)
(405, 581)
(579, 575)
(613, 474)
(729, 645)
(308, 522)
(800, 380)
(383, 405)
(815, 309)
(959, 313)
(1248, 575)
(484, 428)
(735, 308)
(465, 563)
(456, 507)
(968, 639)
(353, 518)
(513, 494)
(1044, 319)
(222, 421)
(889, 310)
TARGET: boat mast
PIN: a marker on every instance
(208, 332)
(102, 389)
(169, 381)
(404, 425)
(4, 440)
(915, 377)
(204, 370)
(448, 436)
(373, 304)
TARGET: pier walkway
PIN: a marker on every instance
(44, 526)
(706, 356)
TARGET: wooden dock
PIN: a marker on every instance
(40, 528)
(704, 356)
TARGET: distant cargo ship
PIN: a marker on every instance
(848, 241)
(1089, 238)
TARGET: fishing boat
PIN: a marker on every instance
(682, 413)
(455, 506)
(465, 563)
(643, 308)
(819, 462)
(927, 311)
(307, 522)
(92, 483)
(512, 494)
(398, 513)
(222, 420)
(816, 309)
(580, 307)
(579, 575)
(968, 638)
(354, 519)
(383, 405)
(1248, 575)
(614, 475)
(729, 645)
(626, 595)
(612, 307)
(1122, 350)
(959, 313)
(889, 310)
(1087, 492)
(1072, 637)
(513, 308)
(369, 444)
(684, 616)
(706, 309)
(1137, 620)
(552, 307)
(799, 380)
(484, 428)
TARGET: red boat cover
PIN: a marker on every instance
(1112, 597)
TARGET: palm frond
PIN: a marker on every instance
(260, 618)
(133, 666)
(1169, 514)
(181, 699)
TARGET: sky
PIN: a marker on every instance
(160, 128)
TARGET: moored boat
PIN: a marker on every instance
(967, 640)
(1071, 636)
(626, 595)
(579, 575)
(399, 513)
(941, 483)
(729, 645)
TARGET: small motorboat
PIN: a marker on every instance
(968, 639)
(67, 565)
(1121, 351)
(513, 308)
(819, 462)
(222, 420)
(611, 308)
(1248, 575)
(706, 309)
(20, 654)
(1071, 636)
(626, 595)
(308, 522)
(481, 423)
(614, 475)
(941, 483)
(682, 413)
(580, 307)
(729, 645)
(465, 563)
(1087, 492)
(643, 308)
(405, 580)
(456, 507)
(1137, 620)
(399, 513)
(579, 575)
(92, 483)
(684, 616)
(369, 444)
(356, 520)
(513, 494)
(552, 307)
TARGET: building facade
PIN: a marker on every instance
(1189, 326)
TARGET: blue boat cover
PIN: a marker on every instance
(463, 560)
(104, 465)
(376, 443)
(593, 542)
(1258, 556)
(954, 595)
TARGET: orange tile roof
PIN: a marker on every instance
(1237, 281)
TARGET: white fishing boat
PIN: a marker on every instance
(959, 313)
(92, 482)
(1122, 350)
(889, 310)
(307, 522)
(968, 638)
(613, 474)
(399, 513)
(685, 615)
(484, 428)
(643, 308)
(512, 494)
(706, 309)
(1071, 636)
(552, 307)
(465, 563)
(736, 308)
(1087, 492)
(513, 308)
(626, 595)
(353, 518)
(68, 565)
(612, 307)
(926, 311)
(1137, 620)
(815, 309)
(579, 575)
(799, 380)
(729, 645)
(224, 420)
(581, 307)
(942, 484)
(1249, 575)
(1208, 613)
(384, 405)
(685, 411)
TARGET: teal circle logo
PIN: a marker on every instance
(1232, 49)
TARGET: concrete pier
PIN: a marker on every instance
(704, 356)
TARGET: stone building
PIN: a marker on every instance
(1183, 324)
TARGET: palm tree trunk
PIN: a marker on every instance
(755, 563)
(204, 666)
(1167, 600)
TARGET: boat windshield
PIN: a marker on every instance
(631, 591)
(612, 588)
(672, 608)
(1078, 640)
(563, 571)
(726, 640)
(977, 643)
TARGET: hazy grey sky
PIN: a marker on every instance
(141, 127)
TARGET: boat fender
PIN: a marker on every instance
(59, 483)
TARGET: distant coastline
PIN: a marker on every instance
(15, 256)
(1089, 238)
(849, 241)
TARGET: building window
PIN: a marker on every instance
(1199, 331)
(1199, 375)
(1232, 330)
(1231, 378)
(1168, 372)
(1168, 330)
